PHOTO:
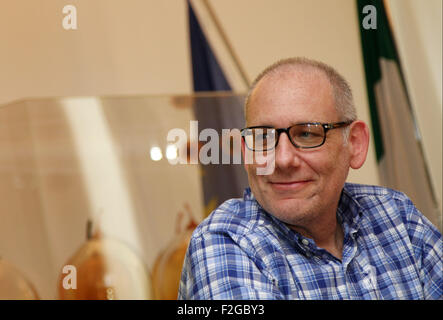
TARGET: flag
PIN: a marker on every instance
(397, 139)
(220, 182)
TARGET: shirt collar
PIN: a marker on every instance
(349, 212)
(248, 195)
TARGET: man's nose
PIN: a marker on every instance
(286, 154)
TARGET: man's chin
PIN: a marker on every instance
(289, 210)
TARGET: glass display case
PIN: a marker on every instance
(97, 194)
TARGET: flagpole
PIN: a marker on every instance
(227, 43)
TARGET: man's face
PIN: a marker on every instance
(306, 183)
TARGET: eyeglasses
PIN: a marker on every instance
(301, 135)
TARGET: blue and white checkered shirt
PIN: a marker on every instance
(390, 251)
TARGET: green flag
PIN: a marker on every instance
(399, 152)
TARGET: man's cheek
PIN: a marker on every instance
(259, 163)
(265, 162)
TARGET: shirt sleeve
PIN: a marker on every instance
(427, 242)
(217, 267)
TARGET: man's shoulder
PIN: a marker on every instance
(234, 216)
(369, 195)
(381, 205)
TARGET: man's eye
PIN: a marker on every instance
(262, 136)
(305, 134)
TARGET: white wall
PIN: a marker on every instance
(120, 47)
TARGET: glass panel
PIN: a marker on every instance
(107, 160)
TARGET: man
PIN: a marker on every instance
(301, 232)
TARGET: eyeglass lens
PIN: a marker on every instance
(307, 135)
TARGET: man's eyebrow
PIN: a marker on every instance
(292, 124)
(261, 126)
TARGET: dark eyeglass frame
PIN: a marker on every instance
(326, 127)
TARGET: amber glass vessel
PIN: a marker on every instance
(169, 263)
(104, 269)
(14, 285)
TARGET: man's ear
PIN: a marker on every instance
(358, 143)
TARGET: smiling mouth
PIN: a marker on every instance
(289, 185)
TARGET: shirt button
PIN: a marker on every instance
(305, 242)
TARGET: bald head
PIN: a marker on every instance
(303, 69)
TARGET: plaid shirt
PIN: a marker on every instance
(390, 251)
